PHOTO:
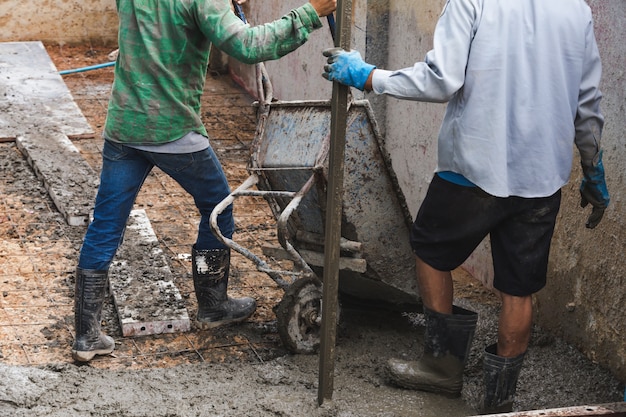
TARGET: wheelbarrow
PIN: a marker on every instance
(288, 166)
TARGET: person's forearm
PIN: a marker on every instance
(269, 41)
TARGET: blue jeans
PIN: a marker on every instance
(124, 170)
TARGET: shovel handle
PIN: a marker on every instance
(239, 12)
(331, 25)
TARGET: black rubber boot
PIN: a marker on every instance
(448, 340)
(210, 280)
(90, 292)
(500, 376)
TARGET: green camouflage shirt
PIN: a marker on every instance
(164, 51)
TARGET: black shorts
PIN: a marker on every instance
(453, 220)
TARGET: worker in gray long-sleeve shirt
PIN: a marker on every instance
(521, 81)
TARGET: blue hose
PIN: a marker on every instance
(92, 67)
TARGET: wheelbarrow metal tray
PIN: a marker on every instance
(291, 145)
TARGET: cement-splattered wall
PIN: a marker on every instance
(58, 21)
(585, 300)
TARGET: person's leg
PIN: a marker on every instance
(435, 287)
(201, 175)
(515, 325)
(451, 222)
(503, 361)
(520, 248)
(123, 172)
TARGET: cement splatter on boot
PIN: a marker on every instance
(210, 278)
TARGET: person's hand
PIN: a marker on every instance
(593, 191)
(324, 7)
(347, 68)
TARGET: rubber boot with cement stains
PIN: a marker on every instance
(210, 280)
(448, 339)
(90, 292)
(500, 376)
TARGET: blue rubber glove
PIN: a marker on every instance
(347, 68)
(593, 191)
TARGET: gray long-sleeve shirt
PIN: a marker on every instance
(521, 78)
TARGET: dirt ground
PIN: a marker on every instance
(237, 371)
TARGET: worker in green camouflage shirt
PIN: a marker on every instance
(154, 119)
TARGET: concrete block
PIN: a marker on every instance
(34, 95)
(71, 182)
(147, 300)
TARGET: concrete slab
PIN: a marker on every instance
(33, 94)
(40, 115)
(71, 182)
(146, 299)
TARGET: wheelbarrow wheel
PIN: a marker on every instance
(299, 316)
